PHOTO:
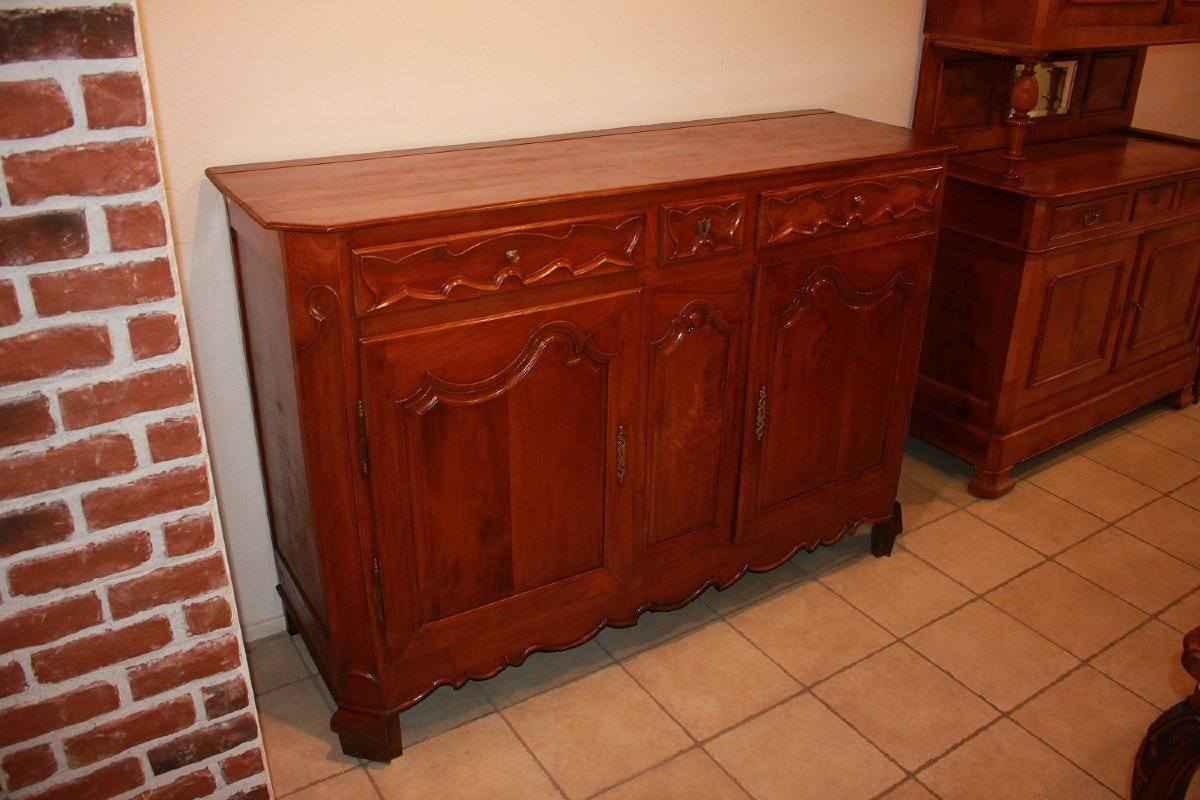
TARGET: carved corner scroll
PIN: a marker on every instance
(815, 210)
(578, 345)
(321, 302)
(832, 276)
(695, 316)
(433, 270)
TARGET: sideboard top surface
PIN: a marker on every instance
(346, 192)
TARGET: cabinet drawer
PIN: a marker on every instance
(803, 212)
(1152, 201)
(1190, 196)
(435, 270)
(702, 227)
(1087, 216)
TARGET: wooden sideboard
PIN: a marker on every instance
(508, 394)
(1067, 284)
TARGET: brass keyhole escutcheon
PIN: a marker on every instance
(703, 226)
(513, 256)
(859, 201)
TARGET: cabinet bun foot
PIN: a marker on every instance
(990, 485)
(883, 534)
(374, 738)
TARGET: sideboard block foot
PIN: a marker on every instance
(375, 738)
(883, 534)
(991, 484)
(1181, 399)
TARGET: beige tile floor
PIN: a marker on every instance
(1015, 648)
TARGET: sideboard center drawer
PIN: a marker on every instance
(1153, 201)
(1087, 216)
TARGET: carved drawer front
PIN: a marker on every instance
(454, 268)
(1087, 216)
(795, 214)
(1190, 196)
(1153, 201)
(702, 228)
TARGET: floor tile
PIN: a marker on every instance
(906, 706)
(800, 751)
(1041, 520)
(972, 552)
(654, 627)
(544, 671)
(1184, 615)
(1131, 569)
(1147, 663)
(921, 505)
(1168, 525)
(597, 731)
(938, 471)
(711, 679)
(479, 761)
(299, 746)
(993, 654)
(901, 593)
(1192, 411)
(909, 790)
(691, 776)
(352, 785)
(274, 662)
(305, 657)
(1073, 613)
(1090, 720)
(1007, 762)
(1094, 487)
(841, 554)
(1140, 416)
(810, 631)
(445, 709)
(1144, 461)
(1189, 493)
(751, 588)
(1175, 431)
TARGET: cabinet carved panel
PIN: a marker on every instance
(691, 230)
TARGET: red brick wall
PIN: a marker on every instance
(122, 671)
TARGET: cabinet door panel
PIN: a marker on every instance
(835, 346)
(1112, 12)
(697, 352)
(493, 459)
(1184, 11)
(1164, 310)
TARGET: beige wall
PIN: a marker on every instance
(235, 81)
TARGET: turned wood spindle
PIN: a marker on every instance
(1023, 99)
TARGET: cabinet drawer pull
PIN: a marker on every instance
(1089, 219)
(622, 460)
(859, 201)
(1139, 306)
(760, 420)
(513, 256)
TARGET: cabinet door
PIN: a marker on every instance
(1074, 13)
(1067, 330)
(833, 361)
(501, 479)
(1165, 302)
(1184, 11)
(697, 341)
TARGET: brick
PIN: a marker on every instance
(25, 419)
(202, 744)
(90, 653)
(174, 438)
(111, 738)
(36, 526)
(87, 170)
(241, 766)
(12, 679)
(10, 307)
(153, 335)
(37, 34)
(136, 226)
(27, 767)
(47, 236)
(113, 100)
(91, 288)
(146, 391)
(199, 661)
(97, 457)
(33, 108)
(158, 494)
(200, 783)
(259, 792)
(101, 784)
(166, 585)
(225, 698)
(188, 535)
(50, 622)
(53, 351)
(22, 723)
(83, 564)
(206, 616)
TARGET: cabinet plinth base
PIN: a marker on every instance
(367, 736)
(883, 534)
(991, 484)
(1181, 399)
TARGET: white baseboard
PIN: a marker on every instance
(263, 628)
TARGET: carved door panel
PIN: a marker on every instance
(697, 345)
(1184, 11)
(499, 464)
(1165, 303)
(1112, 12)
(1071, 318)
(832, 365)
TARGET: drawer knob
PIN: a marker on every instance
(859, 201)
(703, 226)
(1089, 219)
(513, 256)
(1140, 306)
